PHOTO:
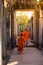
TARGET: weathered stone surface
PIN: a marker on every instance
(1, 22)
(30, 56)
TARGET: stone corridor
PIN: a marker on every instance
(30, 56)
(9, 32)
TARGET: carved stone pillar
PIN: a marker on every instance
(37, 24)
(12, 28)
(1, 23)
(41, 29)
(15, 27)
(4, 36)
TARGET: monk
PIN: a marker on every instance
(22, 32)
(20, 43)
(26, 36)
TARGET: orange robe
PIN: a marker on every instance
(26, 35)
(20, 43)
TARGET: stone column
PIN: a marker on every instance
(34, 26)
(12, 28)
(1, 22)
(15, 27)
(4, 37)
(37, 25)
(41, 29)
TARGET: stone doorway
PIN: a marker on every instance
(30, 24)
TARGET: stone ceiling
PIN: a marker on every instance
(22, 4)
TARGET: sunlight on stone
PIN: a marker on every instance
(37, 0)
(13, 63)
(28, 13)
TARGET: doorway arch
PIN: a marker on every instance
(34, 22)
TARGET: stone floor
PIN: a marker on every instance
(9, 52)
(30, 56)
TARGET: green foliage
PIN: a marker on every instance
(22, 20)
